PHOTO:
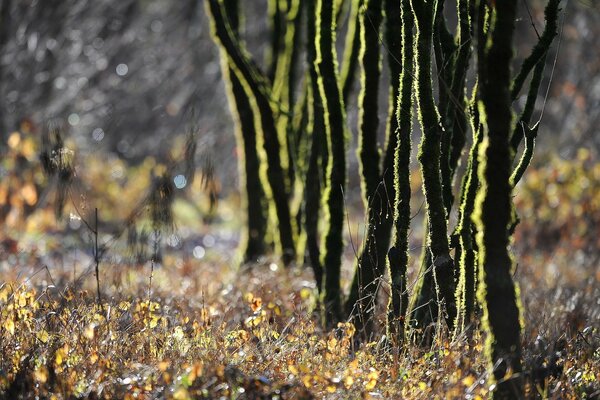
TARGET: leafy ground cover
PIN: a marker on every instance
(193, 326)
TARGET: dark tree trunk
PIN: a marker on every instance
(429, 159)
(336, 167)
(398, 253)
(493, 208)
(257, 88)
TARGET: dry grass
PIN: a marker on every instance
(205, 330)
(210, 333)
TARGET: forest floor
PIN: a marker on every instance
(195, 326)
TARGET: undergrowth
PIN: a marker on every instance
(207, 330)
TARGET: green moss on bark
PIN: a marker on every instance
(369, 267)
(351, 50)
(252, 244)
(258, 91)
(316, 131)
(402, 128)
(465, 251)
(429, 159)
(493, 209)
(336, 167)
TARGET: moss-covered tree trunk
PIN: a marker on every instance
(465, 249)
(429, 159)
(493, 209)
(336, 166)
(456, 123)
(284, 84)
(276, 25)
(316, 133)
(398, 253)
(351, 50)
(254, 200)
(253, 196)
(259, 93)
(452, 59)
(361, 301)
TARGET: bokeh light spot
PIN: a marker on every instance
(180, 181)
(122, 69)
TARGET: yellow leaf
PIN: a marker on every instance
(422, 385)
(181, 394)
(22, 299)
(9, 325)
(307, 381)
(331, 388)
(373, 375)
(353, 364)
(256, 304)
(13, 140)
(163, 365)
(29, 194)
(348, 382)
(253, 321)
(305, 293)
(331, 343)
(4, 293)
(41, 374)
(89, 331)
(469, 380)
(43, 336)
(28, 148)
(58, 358)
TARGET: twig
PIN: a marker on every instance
(97, 257)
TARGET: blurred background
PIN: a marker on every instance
(128, 76)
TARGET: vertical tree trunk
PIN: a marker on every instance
(429, 159)
(275, 20)
(465, 251)
(254, 201)
(256, 86)
(283, 85)
(336, 167)
(316, 130)
(493, 209)
(398, 253)
(452, 59)
(361, 302)
(351, 50)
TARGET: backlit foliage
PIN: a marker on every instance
(239, 339)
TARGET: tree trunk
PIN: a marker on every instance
(336, 167)
(429, 159)
(398, 254)
(493, 209)
(361, 302)
(256, 86)
(253, 196)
